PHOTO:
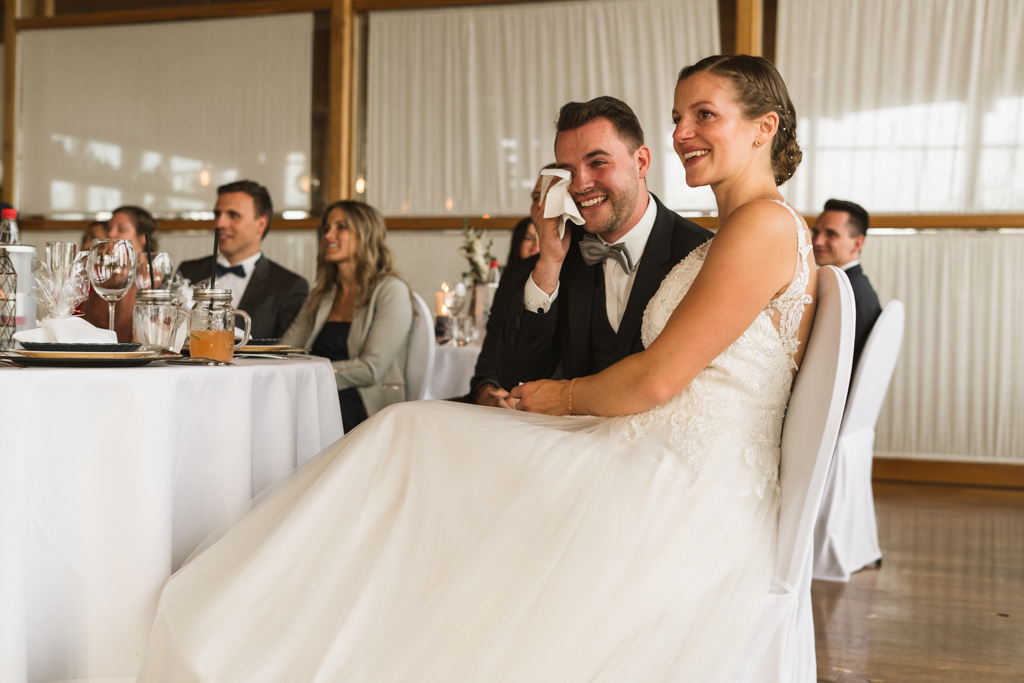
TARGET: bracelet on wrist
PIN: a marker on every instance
(571, 410)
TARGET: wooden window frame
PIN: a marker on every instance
(748, 17)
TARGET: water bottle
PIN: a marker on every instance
(8, 301)
(9, 233)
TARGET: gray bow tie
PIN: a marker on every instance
(595, 251)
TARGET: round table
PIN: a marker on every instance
(110, 478)
(453, 369)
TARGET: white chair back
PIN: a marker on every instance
(419, 360)
(846, 532)
(874, 371)
(812, 423)
(782, 648)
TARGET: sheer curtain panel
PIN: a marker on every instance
(907, 106)
(462, 102)
(161, 114)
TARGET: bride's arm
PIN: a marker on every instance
(751, 260)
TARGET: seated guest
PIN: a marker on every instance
(483, 387)
(838, 237)
(130, 223)
(525, 242)
(97, 230)
(271, 294)
(359, 314)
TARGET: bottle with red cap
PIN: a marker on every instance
(9, 233)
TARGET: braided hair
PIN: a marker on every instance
(759, 90)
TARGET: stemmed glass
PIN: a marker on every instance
(112, 265)
(162, 267)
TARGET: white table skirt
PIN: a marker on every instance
(453, 369)
(110, 478)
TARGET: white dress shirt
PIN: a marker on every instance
(617, 282)
(237, 284)
(851, 264)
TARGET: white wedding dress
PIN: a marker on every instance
(443, 542)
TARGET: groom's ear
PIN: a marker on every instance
(642, 159)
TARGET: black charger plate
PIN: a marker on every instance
(117, 347)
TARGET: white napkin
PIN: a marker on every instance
(558, 202)
(67, 331)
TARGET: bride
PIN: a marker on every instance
(448, 542)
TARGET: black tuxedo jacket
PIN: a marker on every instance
(272, 298)
(868, 310)
(533, 345)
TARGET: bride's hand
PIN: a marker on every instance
(546, 396)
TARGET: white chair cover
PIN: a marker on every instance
(419, 360)
(782, 649)
(846, 533)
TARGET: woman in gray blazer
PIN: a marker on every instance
(359, 313)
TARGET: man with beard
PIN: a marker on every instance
(583, 303)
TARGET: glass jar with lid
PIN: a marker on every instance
(212, 325)
(156, 319)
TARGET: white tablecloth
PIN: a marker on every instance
(110, 478)
(453, 368)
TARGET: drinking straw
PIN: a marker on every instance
(149, 255)
(216, 245)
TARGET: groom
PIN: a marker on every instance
(581, 307)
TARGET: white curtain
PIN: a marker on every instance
(958, 390)
(462, 102)
(912, 106)
(159, 115)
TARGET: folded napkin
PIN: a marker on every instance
(558, 202)
(67, 331)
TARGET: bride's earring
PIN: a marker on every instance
(758, 143)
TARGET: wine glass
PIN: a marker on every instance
(162, 268)
(112, 265)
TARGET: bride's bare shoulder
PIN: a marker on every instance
(764, 216)
(760, 230)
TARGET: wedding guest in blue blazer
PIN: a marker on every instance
(838, 237)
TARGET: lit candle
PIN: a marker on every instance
(439, 307)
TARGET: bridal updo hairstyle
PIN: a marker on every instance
(374, 258)
(759, 90)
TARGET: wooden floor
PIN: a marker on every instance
(947, 603)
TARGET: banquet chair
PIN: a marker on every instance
(782, 647)
(846, 533)
(419, 359)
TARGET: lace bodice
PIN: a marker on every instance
(743, 393)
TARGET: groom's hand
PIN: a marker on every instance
(552, 252)
(546, 396)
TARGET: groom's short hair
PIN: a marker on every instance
(575, 114)
(858, 217)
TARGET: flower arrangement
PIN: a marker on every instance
(478, 255)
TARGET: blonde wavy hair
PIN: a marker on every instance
(374, 259)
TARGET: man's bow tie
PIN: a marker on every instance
(223, 270)
(595, 251)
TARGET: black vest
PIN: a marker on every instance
(603, 346)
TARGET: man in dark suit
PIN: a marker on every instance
(838, 236)
(581, 307)
(271, 294)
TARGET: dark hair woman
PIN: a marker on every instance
(135, 224)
